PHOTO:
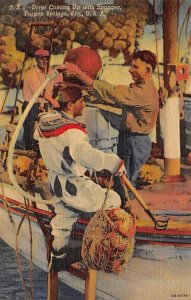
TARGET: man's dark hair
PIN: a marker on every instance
(69, 94)
(146, 56)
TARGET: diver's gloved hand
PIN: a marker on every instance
(120, 170)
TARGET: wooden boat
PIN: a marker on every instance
(162, 248)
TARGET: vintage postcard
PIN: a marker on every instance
(95, 149)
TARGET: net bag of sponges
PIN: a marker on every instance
(108, 241)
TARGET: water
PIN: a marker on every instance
(11, 284)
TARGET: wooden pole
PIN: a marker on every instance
(170, 34)
(52, 286)
(90, 285)
(171, 109)
(28, 153)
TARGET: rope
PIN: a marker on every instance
(50, 48)
(4, 152)
(6, 205)
(28, 291)
(175, 10)
(156, 42)
(181, 30)
(31, 250)
(7, 93)
(106, 194)
(18, 257)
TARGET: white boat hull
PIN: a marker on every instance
(143, 279)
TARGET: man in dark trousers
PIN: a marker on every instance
(140, 109)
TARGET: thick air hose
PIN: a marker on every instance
(15, 137)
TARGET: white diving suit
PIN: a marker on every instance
(67, 154)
